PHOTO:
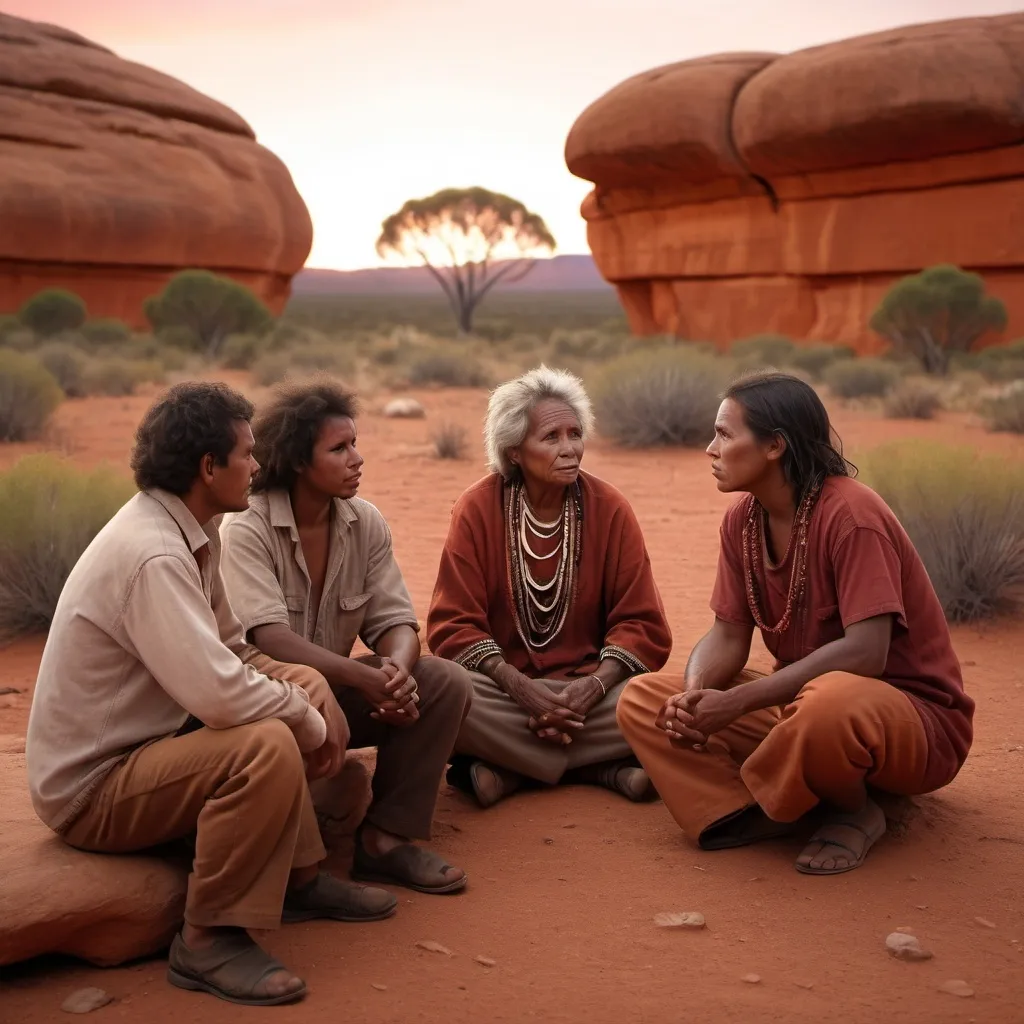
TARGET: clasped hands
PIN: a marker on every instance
(554, 716)
(690, 718)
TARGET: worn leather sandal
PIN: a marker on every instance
(327, 897)
(407, 865)
(231, 969)
(854, 829)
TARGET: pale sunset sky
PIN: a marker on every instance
(372, 102)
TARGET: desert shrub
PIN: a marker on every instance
(50, 510)
(105, 331)
(28, 396)
(179, 337)
(964, 512)
(862, 378)
(815, 359)
(67, 364)
(273, 367)
(449, 441)
(667, 396)
(1000, 362)
(9, 324)
(762, 350)
(1005, 412)
(117, 377)
(449, 367)
(51, 311)
(241, 351)
(937, 312)
(586, 344)
(913, 400)
(210, 306)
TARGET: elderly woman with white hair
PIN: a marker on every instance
(545, 593)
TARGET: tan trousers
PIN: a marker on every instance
(842, 733)
(496, 731)
(242, 791)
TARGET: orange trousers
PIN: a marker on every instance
(842, 733)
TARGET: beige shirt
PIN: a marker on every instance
(265, 574)
(140, 640)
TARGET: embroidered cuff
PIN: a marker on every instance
(631, 661)
(471, 657)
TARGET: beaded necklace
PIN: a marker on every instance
(753, 545)
(542, 608)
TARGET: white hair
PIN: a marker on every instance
(508, 411)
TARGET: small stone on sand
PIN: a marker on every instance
(548, 840)
(804, 984)
(434, 947)
(905, 929)
(906, 947)
(485, 961)
(957, 988)
(752, 979)
(689, 919)
(984, 922)
(378, 986)
(85, 1000)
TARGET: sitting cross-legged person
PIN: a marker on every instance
(309, 569)
(150, 724)
(866, 692)
(545, 591)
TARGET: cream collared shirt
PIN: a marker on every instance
(265, 573)
(140, 640)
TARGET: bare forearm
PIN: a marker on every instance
(401, 645)
(782, 687)
(280, 643)
(611, 672)
(719, 656)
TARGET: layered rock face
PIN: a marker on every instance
(113, 177)
(749, 193)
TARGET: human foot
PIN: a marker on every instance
(491, 784)
(384, 857)
(842, 841)
(622, 776)
(228, 964)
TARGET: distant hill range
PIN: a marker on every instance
(559, 274)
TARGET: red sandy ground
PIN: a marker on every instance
(565, 884)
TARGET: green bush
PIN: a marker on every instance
(273, 367)
(117, 377)
(1005, 412)
(67, 364)
(862, 378)
(211, 307)
(964, 512)
(49, 513)
(1000, 362)
(667, 396)
(51, 311)
(587, 344)
(105, 331)
(451, 367)
(817, 358)
(241, 351)
(761, 351)
(28, 396)
(913, 400)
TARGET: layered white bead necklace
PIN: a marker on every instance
(541, 608)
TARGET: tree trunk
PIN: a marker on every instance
(466, 310)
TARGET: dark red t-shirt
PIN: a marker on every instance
(860, 563)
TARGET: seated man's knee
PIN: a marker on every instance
(444, 682)
(633, 707)
(273, 742)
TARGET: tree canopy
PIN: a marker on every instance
(209, 307)
(937, 312)
(470, 239)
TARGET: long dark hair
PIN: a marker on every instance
(781, 405)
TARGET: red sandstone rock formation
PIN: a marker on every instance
(113, 177)
(749, 193)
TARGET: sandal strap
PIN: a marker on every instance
(248, 963)
(868, 838)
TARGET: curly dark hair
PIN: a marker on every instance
(193, 419)
(287, 429)
(780, 404)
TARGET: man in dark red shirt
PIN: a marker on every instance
(866, 689)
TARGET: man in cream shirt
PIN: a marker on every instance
(151, 720)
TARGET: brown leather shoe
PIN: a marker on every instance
(337, 900)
